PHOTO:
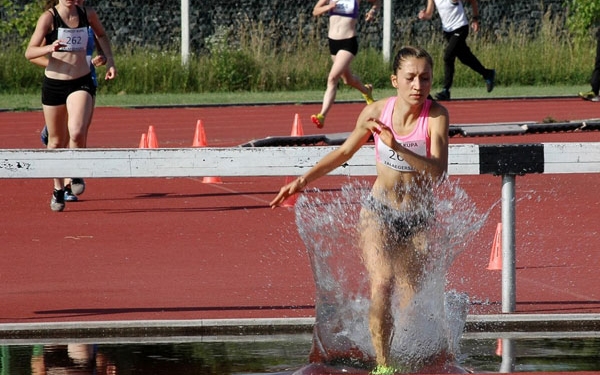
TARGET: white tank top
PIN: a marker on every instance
(452, 14)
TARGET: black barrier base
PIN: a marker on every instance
(471, 130)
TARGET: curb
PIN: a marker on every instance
(500, 323)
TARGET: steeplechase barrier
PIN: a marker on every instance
(287, 159)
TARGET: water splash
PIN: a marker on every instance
(428, 329)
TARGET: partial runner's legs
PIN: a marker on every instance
(457, 48)
(67, 126)
(394, 253)
(56, 121)
(80, 105)
(381, 278)
(595, 81)
(340, 69)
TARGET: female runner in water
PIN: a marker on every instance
(411, 150)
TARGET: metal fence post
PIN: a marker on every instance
(508, 244)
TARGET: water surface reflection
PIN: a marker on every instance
(278, 354)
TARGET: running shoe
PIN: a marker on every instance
(44, 135)
(77, 186)
(369, 95)
(384, 370)
(318, 120)
(587, 95)
(443, 95)
(69, 196)
(57, 203)
(490, 81)
(595, 98)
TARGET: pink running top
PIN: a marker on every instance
(418, 141)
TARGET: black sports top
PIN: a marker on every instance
(59, 23)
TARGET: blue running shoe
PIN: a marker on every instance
(69, 196)
(44, 135)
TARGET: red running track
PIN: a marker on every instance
(136, 249)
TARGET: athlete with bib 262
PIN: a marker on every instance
(68, 90)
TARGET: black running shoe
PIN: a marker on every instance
(443, 95)
(490, 81)
(57, 203)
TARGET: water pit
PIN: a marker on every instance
(279, 354)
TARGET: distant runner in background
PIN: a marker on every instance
(593, 95)
(343, 46)
(456, 29)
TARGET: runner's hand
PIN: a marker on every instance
(287, 191)
(384, 132)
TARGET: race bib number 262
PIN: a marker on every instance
(74, 39)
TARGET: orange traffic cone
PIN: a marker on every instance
(212, 180)
(144, 141)
(200, 141)
(152, 139)
(496, 256)
(199, 135)
(297, 129)
(291, 200)
(499, 348)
